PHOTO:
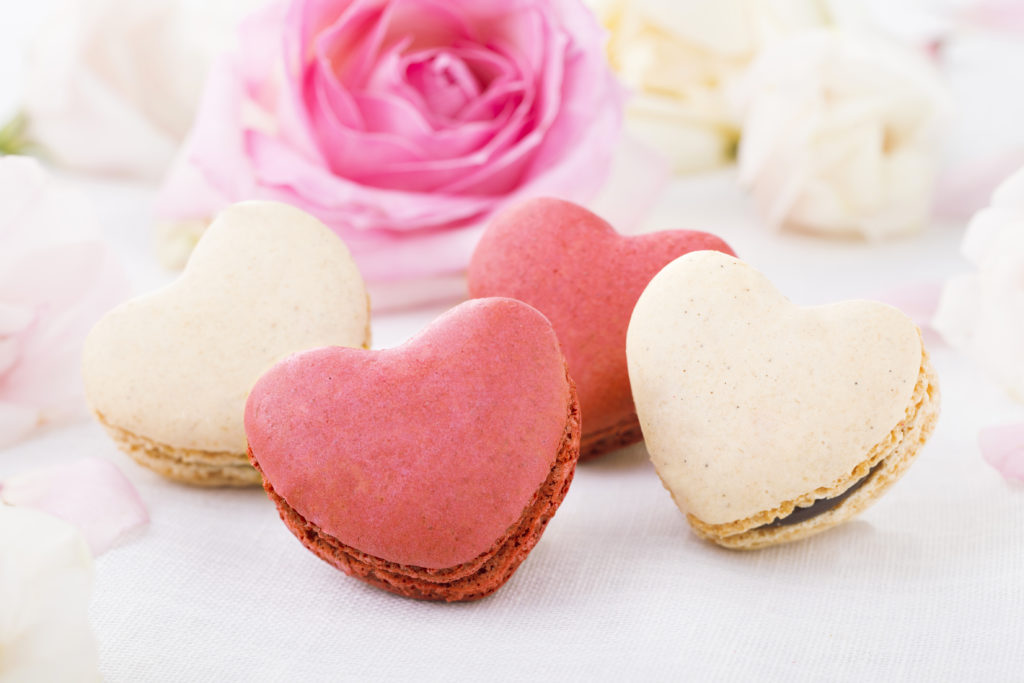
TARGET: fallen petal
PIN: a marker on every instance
(91, 494)
(1002, 446)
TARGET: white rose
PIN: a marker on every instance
(45, 584)
(112, 85)
(983, 313)
(680, 56)
(840, 135)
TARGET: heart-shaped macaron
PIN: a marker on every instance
(429, 469)
(766, 421)
(585, 277)
(167, 373)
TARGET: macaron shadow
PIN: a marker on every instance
(631, 456)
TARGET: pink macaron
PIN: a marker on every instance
(430, 469)
(585, 277)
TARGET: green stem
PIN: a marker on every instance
(13, 136)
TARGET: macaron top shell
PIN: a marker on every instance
(425, 454)
(585, 277)
(747, 400)
(176, 365)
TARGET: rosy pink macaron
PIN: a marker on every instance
(430, 469)
(585, 277)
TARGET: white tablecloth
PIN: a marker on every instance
(927, 585)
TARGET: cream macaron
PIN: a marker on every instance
(168, 373)
(766, 421)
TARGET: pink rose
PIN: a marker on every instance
(403, 125)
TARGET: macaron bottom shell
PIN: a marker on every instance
(187, 466)
(885, 463)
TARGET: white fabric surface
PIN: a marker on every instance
(927, 585)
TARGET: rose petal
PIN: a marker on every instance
(350, 46)
(273, 80)
(1003, 447)
(359, 206)
(428, 24)
(402, 150)
(519, 34)
(91, 494)
(323, 93)
(445, 83)
(485, 72)
(348, 150)
(554, 128)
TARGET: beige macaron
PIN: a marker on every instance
(766, 421)
(167, 374)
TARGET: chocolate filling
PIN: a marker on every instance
(822, 505)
